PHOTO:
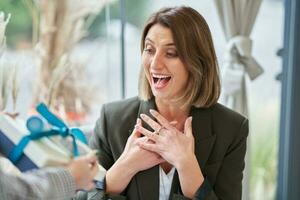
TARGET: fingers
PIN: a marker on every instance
(91, 158)
(174, 123)
(138, 122)
(90, 186)
(148, 146)
(94, 170)
(136, 133)
(153, 124)
(188, 127)
(83, 169)
(163, 121)
(147, 133)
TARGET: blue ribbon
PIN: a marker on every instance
(36, 129)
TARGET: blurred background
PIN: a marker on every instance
(107, 59)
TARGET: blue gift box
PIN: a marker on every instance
(35, 143)
(6, 146)
(35, 153)
(34, 146)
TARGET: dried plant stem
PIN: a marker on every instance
(63, 23)
(4, 72)
(4, 76)
(33, 10)
(15, 86)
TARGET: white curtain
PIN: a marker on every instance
(237, 18)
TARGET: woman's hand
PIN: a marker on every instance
(133, 159)
(137, 158)
(175, 147)
(171, 144)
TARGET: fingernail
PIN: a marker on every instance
(191, 118)
(142, 115)
(153, 112)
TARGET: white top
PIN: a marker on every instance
(165, 183)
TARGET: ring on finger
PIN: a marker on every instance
(157, 131)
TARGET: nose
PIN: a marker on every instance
(157, 61)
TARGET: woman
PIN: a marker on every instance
(174, 141)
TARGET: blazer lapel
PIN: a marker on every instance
(148, 181)
(204, 141)
(203, 133)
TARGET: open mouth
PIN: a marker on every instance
(160, 80)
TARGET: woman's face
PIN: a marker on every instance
(165, 72)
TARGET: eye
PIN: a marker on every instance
(149, 50)
(172, 54)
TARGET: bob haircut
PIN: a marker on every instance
(195, 48)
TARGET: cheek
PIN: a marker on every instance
(146, 69)
(182, 76)
(186, 77)
(145, 62)
(146, 66)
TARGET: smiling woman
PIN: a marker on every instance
(181, 144)
(185, 40)
(165, 72)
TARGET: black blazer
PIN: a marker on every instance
(220, 146)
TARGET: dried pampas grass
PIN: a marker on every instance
(63, 23)
(4, 71)
(9, 83)
(4, 82)
(3, 23)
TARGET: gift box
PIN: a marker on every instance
(40, 153)
(42, 141)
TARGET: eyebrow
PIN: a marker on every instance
(168, 44)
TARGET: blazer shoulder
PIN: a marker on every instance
(122, 108)
(225, 113)
(226, 119)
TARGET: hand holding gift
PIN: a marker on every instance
(46, 141)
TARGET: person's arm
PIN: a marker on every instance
(40, 184)
(50, 183)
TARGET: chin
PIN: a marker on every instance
(160, 95)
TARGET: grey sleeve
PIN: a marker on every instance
(50, 183)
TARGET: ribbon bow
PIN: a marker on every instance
(35, 126)
(238, 60)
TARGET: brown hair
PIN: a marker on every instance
(195, 48)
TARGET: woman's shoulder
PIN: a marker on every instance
(123, 104)
(228, 120)
(220, 111)
(122, 107)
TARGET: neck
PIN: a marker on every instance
(173, 112)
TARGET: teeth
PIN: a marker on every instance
(160, 76)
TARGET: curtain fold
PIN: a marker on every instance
(237, 19)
